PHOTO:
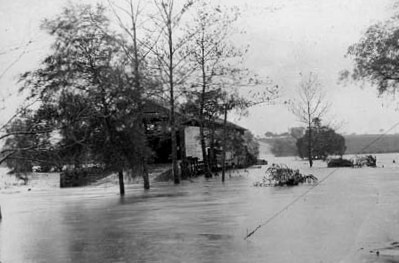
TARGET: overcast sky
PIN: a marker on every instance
(286, 37)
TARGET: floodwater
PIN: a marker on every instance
(346, 218)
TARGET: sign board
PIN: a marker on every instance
(192, 142)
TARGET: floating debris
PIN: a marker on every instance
(281, 175)
(339, 162)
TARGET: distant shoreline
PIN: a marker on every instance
(355, 144)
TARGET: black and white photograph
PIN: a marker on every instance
(199, 131)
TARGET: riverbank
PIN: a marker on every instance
(158, 173)
(47, 181)
(37, 181)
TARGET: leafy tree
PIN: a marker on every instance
(325, 141)
(28, 143)
(311, 104)
(296, 132)
(18, 146)
(283, 146)
(87, 79)
(269, 134)
(251, 147)
(376, 56)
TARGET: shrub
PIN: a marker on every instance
(281, 174)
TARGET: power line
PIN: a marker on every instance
(17, 59)
(288, 205)
(271, 218)
(12, 49)
(378, 138)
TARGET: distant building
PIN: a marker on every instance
(156, 117)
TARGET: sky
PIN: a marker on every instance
(286, 38)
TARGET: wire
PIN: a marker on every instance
(289, 204)
(5, 52)
(270, 219)
(17, 59)
(379, 137)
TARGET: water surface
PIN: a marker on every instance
(350, 213)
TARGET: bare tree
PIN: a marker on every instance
(170, 61)
(310, 104)
(211, 53)
(137, 48)
(219, 64)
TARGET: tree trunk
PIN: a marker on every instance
(140, 103)
(310, 157)
(212, 158)
(145, 174)
(121, 183)
(143, 159)
(176, 175)
(207, 171)
(310, 147)
(224, 143)
(143, 150)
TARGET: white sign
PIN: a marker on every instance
(192, 142)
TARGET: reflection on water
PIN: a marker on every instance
(202, 221)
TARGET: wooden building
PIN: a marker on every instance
(156, 118)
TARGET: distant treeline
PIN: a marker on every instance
(282, 146)
(365, 143)
(372, 143)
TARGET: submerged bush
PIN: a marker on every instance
(281, 174)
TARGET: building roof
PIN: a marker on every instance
(155, 110)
